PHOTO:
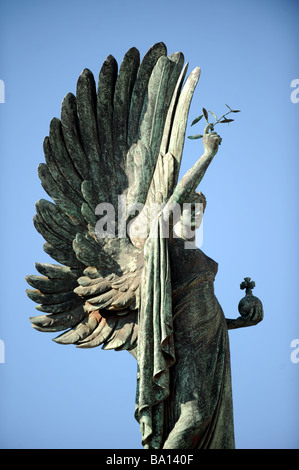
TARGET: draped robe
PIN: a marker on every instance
(184, 393)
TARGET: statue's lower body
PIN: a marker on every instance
(199, 411)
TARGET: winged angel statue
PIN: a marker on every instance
(149, 295)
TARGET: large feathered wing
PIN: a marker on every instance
(108, 143)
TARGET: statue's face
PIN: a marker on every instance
(191, 217)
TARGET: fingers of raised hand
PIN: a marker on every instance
(208, 128)
(212, 139)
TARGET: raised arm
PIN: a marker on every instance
(188, 184)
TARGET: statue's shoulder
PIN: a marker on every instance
(211, 264)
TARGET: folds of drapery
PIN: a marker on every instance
(155, 339)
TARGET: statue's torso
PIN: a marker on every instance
(196, 311)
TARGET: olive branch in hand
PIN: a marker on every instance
(222, 120)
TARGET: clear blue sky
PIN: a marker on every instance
(56, 396)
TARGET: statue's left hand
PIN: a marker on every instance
(249, 317)
(254, 316)
(211, 140)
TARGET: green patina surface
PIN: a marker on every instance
(150, 295)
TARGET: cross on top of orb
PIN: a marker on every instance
(248, 285)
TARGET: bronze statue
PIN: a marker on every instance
(127, 281)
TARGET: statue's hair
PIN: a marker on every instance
(202, 199)
(199, 197)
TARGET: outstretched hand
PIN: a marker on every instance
(211, 140)
(254, 316)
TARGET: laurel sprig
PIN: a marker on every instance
(222, 120)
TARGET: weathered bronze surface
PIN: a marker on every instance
(121, 144)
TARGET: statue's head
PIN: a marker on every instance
(190, 219)
(191, 216)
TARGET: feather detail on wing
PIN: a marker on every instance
(120, 138)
